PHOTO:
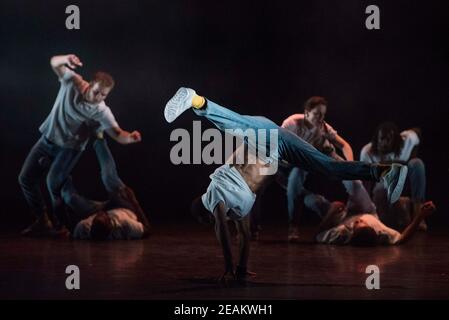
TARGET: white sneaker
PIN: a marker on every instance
(394, 181)
(180, 102)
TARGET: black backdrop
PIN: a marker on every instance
(261, 57)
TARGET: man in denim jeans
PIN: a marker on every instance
(231, 193)
(65, 133)
(312, 127)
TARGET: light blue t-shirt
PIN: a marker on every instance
(227, 185)
(69, 121)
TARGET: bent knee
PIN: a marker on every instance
(22, 179)
(54, 183)
(416, 164)
(313, 200)
(26, 180)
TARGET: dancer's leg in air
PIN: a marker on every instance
(290, 148)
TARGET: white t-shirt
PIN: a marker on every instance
(124, 221)
(319, 137)
(67, 124)
(227, 185)
(342, 233)
(410, 139)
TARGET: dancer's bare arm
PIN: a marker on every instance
(223, 236)
(426, 210)
(243, 227)
(123, 136)
(60, 63)
(345, 147)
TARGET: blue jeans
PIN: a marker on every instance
(358, 200)
(291, 148)
(417, 182)
(47, 158)
(83, 207)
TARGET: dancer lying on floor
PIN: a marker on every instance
(121, 217)
(364, 228)
(231, 193)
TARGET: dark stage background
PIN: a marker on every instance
(260, 57)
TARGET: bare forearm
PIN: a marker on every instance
(241, 271)
(347, 152)
(425, 210)
(345, 147)
(224, 238)
(410, 230)
(244, 233)
(57, 61)
(123, 136)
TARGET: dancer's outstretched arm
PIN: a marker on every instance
(345, 148)
(426, 210)
(223, 236)
(243, 227)
(123, 136)
(59, 63)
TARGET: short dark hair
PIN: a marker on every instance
(104, 79)
(101, 226)
(200, 213)
(364, 236)
(314, 102)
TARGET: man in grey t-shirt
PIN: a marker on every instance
(79, 105)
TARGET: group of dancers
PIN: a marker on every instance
(305, 143)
